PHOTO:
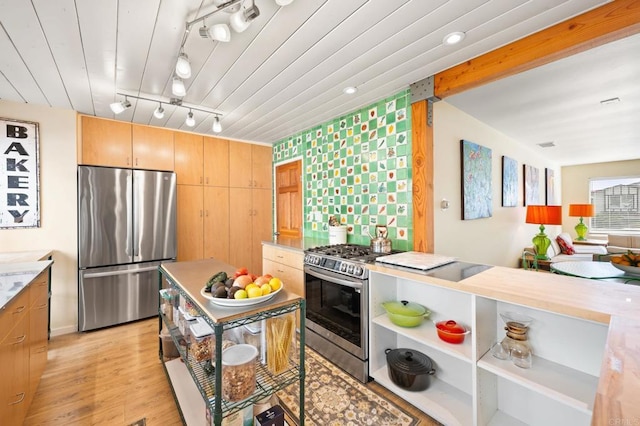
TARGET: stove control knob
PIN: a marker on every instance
(343, 267)
(358, 270)
(317, 260)
(350, 269)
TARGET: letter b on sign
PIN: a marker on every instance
(16, 132)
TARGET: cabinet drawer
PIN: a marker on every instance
(13, 312)
(292, 278)
(291, 258)
(39, 289)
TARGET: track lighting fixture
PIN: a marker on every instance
(241, 20)
(159, 112)
(284, 2)
(118, 107)
(177, 87)
(217, 127)
(218, 32)
(190, 121)
(183, 66)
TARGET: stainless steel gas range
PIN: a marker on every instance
(337, 292)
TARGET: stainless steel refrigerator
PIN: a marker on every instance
(126, 228)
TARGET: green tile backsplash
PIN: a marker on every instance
(357, 167)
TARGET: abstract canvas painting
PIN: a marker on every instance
(476, 180)
(531, 185)
(550, 193)
(509, 182)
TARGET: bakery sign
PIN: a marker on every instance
(19, 174)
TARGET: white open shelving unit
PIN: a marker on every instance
(470, 386)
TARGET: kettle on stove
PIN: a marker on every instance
(380, 243)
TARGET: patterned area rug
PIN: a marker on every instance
(334, 398)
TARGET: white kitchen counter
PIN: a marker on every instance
(15, 277)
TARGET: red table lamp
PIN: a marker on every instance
(543, 215)
(581, 210)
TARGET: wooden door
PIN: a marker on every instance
(240, 240)
(289, 199)
(14, 370)
(262, 221)
(188, 158)
(152, 148)
(190, 222)
(105, 142)
(261, 166)
(240, 175)
(216, 162)
(216, 223)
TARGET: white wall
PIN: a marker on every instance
(575, 183)
(497, 240)
(58, 207)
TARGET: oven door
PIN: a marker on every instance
(337, 309)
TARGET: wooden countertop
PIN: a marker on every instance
(192, 276)
(615, 304)
(299, 244)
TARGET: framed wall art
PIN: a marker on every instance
(531, 178)
(19, 174)
(509, 182)
(476, 180)
(550, 192)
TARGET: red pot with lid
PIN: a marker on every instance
(451, 332)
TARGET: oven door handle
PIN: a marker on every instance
(341, 281)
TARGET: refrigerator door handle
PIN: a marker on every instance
(125, 272)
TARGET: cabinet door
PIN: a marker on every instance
(261, 166)
(188, 158)
(240, 241)
(38, 335)
(105, 142)
(262, 224)
(216, 223)
(14, 370)
(292, 278)
(240, 175)
(190, 222)
(216, 162)
(152, 148)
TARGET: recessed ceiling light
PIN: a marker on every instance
(453, 38)
(546, 144)
(350, 90)
(610, 101)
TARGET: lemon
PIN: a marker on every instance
(275, 284)
(250, 286)
(240, 294)
(254, 291)
(265, 289)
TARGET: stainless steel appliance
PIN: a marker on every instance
(126, 228)
(337, 292)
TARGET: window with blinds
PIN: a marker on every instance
(616, 204)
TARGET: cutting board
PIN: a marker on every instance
(416, 260)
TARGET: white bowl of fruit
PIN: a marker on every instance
(241, 289)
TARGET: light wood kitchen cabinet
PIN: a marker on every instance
(189, 158)
(216, 162)
(190, 222)
(285, 264)
(216, 223)
(152, 148)
(250, 166)
(203, 222)
(38, 331)
(104, 142)
(249, 223)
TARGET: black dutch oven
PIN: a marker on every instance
(411, 370)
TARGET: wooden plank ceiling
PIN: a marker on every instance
(282, 75)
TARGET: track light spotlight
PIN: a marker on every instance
(190, 121)
(284, 2)
(118, 107)
(241, 20)
(177, 87)
(219, 32)
(183, 66)
(159, 112)
(217, 127)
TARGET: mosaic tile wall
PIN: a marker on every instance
(357, 167)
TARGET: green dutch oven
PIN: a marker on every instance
(406, 314)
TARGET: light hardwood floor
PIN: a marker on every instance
(114, 377)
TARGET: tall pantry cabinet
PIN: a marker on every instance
(251, 203)
(203, 197)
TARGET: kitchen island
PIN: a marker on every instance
(188, 279)
(584, 337)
